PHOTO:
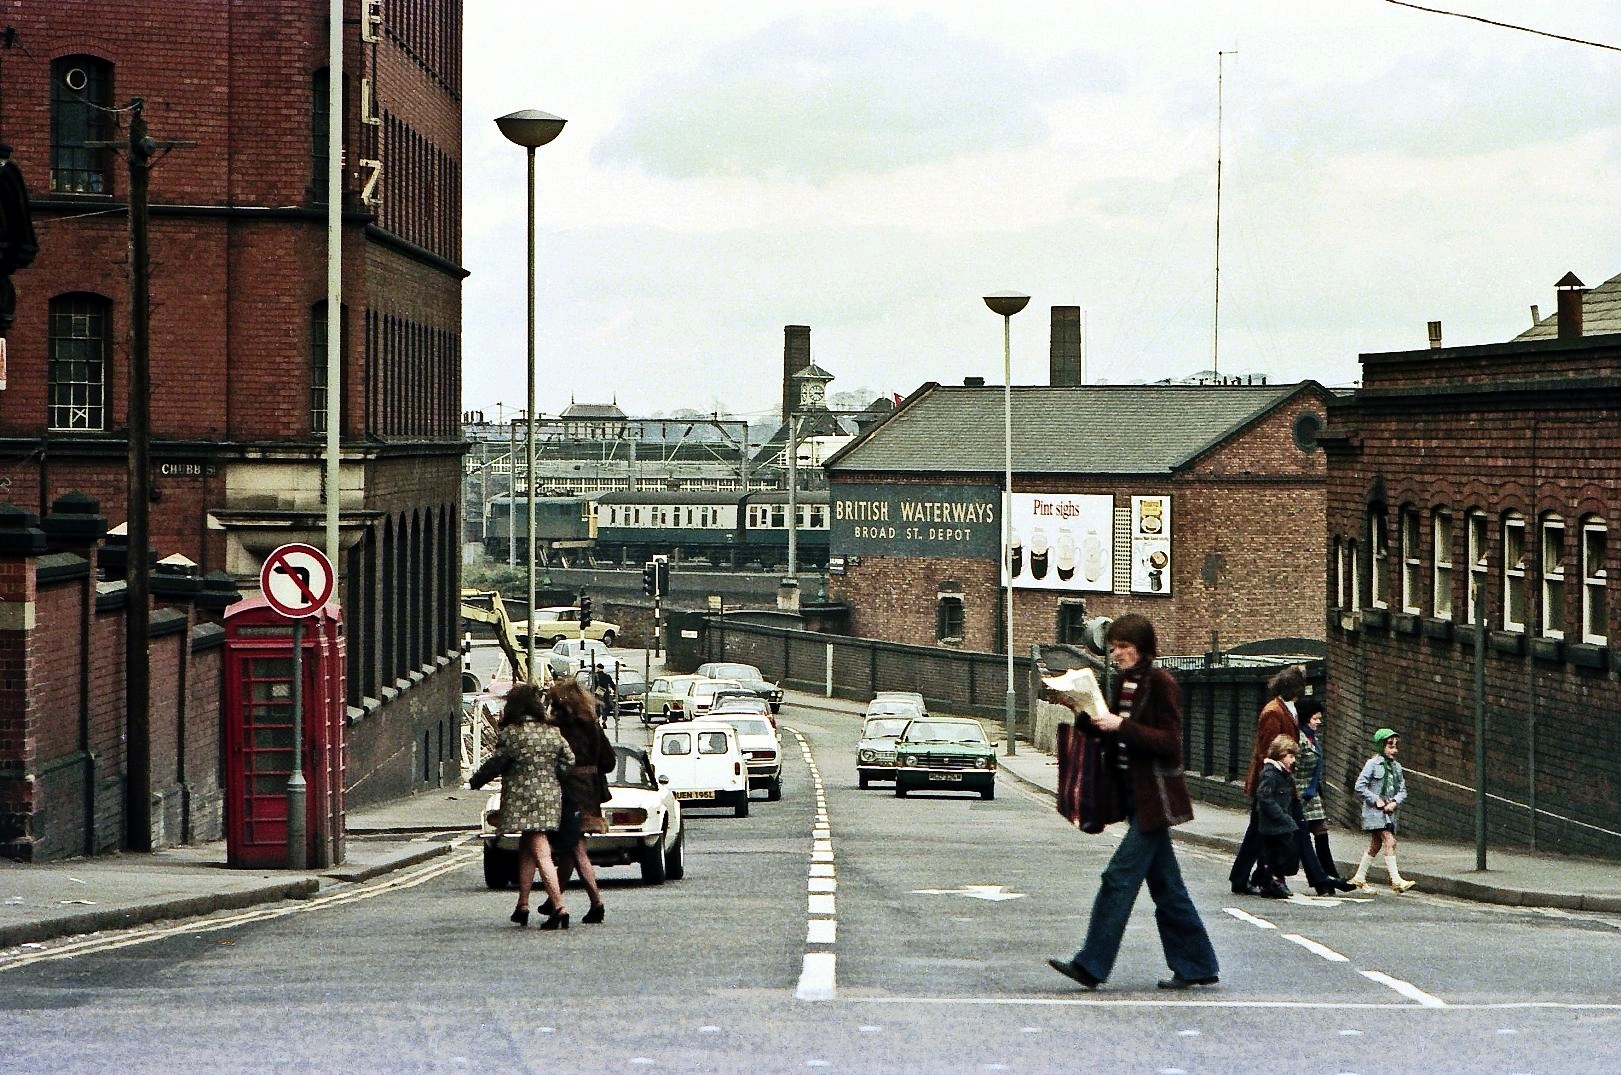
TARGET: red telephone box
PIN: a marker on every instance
(258, 715)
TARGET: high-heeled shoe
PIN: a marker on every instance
(547, 908)
(596, 914)
(521, 916)
(556, 921)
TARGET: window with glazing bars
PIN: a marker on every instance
(318, 368)
(1515, 554)
(1378, 557)
(1595, 605)
(78, 346)
(1553, 577)
(1441, 522)
(1412, 564)
(81, 94)
(948, 618)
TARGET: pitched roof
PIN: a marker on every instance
(1601, 313)
(1088, 429)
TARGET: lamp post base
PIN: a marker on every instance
(788, 595)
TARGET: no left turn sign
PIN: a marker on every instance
(296, 580)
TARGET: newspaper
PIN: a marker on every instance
(1078, 688)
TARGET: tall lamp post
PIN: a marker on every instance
(1007, 303)
(531, 129)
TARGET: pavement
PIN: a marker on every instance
(39, 902)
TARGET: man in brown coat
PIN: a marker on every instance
(1277, 718)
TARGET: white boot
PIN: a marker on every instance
(1397, 882)
(1360, 878)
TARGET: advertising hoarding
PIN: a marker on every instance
(869, 519)
(1061, 541)
(1151, 544)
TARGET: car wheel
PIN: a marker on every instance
(497, 870)
(900, 790)
(607, 638)
(675, 859)
(865, 779)
(653, 871)
(773, 790)
(742, 808)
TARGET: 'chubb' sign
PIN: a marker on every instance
(915, 520)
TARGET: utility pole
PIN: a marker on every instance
(142, 153)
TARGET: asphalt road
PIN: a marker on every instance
(839, 929)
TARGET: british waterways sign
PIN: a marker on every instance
(916, 520)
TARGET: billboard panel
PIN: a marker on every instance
(1062, 541)
(1151, 544)
(915, 520)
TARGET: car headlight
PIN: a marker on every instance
(909, 760)
(868, 755)
(982, 763)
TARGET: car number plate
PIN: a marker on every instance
(694, 795)
(945, 776)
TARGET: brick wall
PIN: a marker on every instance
(1488, 429)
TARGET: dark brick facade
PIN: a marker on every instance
(1523, 437)
(238, 284)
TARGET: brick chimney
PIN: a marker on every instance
(796, 355)
(1570, 291)
(1064, 364)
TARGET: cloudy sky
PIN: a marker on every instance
(872, 169)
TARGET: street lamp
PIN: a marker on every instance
(531, 129)
(1007, 303)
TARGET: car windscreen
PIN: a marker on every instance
(906, 710)
(884, 726)
(750, 726)
(734, 671)
(630, 771)
(928, 731)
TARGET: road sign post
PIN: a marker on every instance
(297, 581)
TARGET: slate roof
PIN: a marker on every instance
(1089, 429)
(1601, 313)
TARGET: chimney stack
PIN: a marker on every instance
(1570, 291)
(1435, 335)
(796, 355)
(1064, 365)
(1536, 315)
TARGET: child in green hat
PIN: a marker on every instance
(1382, 788)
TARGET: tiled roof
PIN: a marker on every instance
(1097, 429)
(1601, 313)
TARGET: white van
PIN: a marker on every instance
(702, 763)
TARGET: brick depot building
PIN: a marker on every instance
(1485, 472)
(1200, 506)
(238, 315)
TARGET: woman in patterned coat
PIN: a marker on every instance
(532, 795)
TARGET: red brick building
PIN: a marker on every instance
(1484, 474)
(238, 314)
(1200, 506)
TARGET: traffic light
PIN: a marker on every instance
(649, 579)
(661, 576)
(585, 612)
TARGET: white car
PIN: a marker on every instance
(644, 827)
(762, 749)
(701, 762)
(572, 655)
(702, 696)
(557, 622)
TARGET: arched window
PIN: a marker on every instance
(1378, 557)
(1515, 554)
(1412, 562)
(1554, 554)
(81, 96)
(79, 346)
(1441, 570)
(1595, 602)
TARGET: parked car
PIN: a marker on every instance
(947, 754)
(748, 675)
(632, 688)
(644, 827)
(557, 622)
(762, 750)
(875, 753)
(571, 655)
(701, 762)
(702, 695)
(666, 699)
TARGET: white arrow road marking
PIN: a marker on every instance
(995, 893)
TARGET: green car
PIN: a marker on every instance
(945, 754)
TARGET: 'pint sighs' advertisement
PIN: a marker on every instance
(1061, 541)
(1151, 544)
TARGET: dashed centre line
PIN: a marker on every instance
(1406, 989)
(818, 978)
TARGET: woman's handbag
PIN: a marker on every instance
(1088, 791)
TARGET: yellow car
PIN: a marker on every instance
(557, 622)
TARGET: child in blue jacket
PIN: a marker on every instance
(1382, 788)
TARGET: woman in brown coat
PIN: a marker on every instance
(534, 753)
(575, 712)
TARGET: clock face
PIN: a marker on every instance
(812, 392)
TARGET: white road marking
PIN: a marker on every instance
(822, 884)
(819, 979)
(994, 893)
(1312, 946)
(822, 931)
(1244, 916)
(1104, 1000)
(1406, 989)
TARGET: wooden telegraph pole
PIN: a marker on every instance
(142, 152)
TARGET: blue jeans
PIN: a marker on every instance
(1146, 856)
